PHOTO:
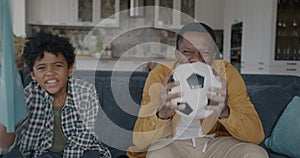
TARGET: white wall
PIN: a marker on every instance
(233, 13)
(18, 17)
(258, 32)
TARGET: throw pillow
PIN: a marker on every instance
(285, 136)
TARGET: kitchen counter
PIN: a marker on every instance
(86, 62)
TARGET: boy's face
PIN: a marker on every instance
(52, 73)
(196, 46)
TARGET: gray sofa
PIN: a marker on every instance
(120, 94)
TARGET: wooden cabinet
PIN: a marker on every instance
(62, 12)
(287, 67)
(256, 36)
(167, 14)
(54, 12)
(256, 47)
(269, 45)
(210, 12)
(84, 12)
(107, 13)
(175, 13)
(74, 12)
(97, 13)
(18, 16)
(256, 16)
(40, 12)
(285, 53)
(233, 11)
(287, 35)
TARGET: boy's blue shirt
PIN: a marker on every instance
(78, 120)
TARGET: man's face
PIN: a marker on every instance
(52, 73)
(196, 46)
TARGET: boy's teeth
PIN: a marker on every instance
(51, 81)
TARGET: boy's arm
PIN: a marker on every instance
(92, 111)
(27, 135)
(6, 139)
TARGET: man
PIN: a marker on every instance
(232, 131)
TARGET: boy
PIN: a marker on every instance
(61, 110)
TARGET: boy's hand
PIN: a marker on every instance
(6, 139)
(220, 96)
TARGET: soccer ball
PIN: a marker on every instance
(195, 79)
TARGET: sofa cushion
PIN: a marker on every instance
(270, 94)
(285, 137)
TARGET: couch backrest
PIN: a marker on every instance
(120, 94)
(270, 94)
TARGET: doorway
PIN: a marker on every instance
(236, 45)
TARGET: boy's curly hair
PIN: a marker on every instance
(40, 42)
